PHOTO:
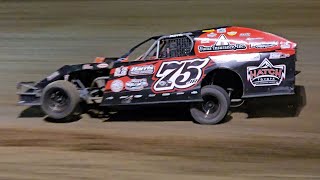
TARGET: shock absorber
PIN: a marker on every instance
(234, 102)
(230, 90)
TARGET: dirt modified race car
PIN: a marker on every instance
(209, 69)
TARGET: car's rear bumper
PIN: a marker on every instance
(28, 93)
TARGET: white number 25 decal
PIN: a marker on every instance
(179, 74)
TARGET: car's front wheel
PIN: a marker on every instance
(214, 107)
(60, 99)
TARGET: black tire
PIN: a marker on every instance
(60, 100)
(214, 108)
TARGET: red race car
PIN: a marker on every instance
(208, 69)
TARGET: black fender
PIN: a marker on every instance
(65, 71)
(30, 92)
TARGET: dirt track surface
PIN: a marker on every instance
(37, 37)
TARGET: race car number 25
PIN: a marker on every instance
(179, 74)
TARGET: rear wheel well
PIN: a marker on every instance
(227, 79)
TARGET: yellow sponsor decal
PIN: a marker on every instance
(232, 33)
(208, 30)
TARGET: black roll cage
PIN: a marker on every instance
(157, 43)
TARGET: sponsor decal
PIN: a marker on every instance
(284, 45)
(53, 75)
(208, 30)
(263, 45)
(236, 57)
(283, 55)
(162, 83)
(212, 34)
(179, 74)
(205, 40)
(278, 55)
(99, 59)
(138, 96)
(109, 98)
(176, 35)
(222, 30)
(117, 85)
(141, 70)
(254, 39)
(120, 71)
(222, 44)
(275, 55)
(232, 33)
(194, 92)
(244, 34)
(136, 84)
(165, 83)
(102, 65)
(87, 66)
(123, 97)
(266, 74)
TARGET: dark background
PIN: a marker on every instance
(39, 36)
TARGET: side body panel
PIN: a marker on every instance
(156, 81)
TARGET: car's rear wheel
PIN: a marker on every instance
(214, 107)
(60, 99)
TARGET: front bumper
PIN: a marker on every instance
(29, 94)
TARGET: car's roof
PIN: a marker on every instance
(194, 32)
